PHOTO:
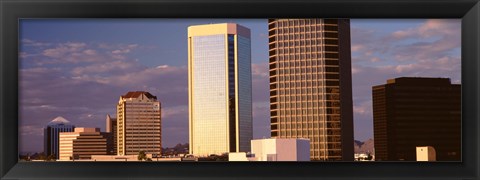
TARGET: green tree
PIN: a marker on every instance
(142, 156)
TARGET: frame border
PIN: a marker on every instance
(12, 10)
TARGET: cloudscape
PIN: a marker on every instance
(78, 69)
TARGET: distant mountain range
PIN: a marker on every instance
(178, 149)
(364, 147)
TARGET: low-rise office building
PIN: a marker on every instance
(82, 144)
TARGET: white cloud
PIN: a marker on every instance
(29, 42)
(162, 67)
(114, 67)
(168, 112)
(26, 130)
(90, 52)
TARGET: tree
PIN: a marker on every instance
(42, 156)
(142, 156)
(369, 156)
(50, 157)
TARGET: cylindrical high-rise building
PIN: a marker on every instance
(220, 89)
(311, 84)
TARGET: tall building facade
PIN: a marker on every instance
(51, 135)
(410, 112)
(311, 85)
(220, 89)
(111, 134)
(82, 144)
(139, 126)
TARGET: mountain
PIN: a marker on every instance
(364, 147)
(178, 149)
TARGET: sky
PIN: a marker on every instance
(79, 68)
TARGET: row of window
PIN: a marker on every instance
(300, 22)
(303, 47)
(306, 99)
(295, 112)
(309, 80)
(292, 67)
(306, 56)
(313, 47)
(315, 92)
(303, 133)
(298, 66)
(307, 28)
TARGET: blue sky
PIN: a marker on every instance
(78, 68)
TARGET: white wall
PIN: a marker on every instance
(240, 156)
(426, 153)
(281, 149)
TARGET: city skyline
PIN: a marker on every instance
(85, 61)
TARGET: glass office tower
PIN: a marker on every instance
(311, 85)
(220, 88)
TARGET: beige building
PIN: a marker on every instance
(426, 153)
(275, 149)
(138, 124)
(111, 133)
(311, 85)
(220, 89)
(82, 144)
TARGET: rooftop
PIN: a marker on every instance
(58, 120)
(136, 94)
(420, 81)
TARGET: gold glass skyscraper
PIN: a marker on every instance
(139, 124)
(311, 84)
(220, 88)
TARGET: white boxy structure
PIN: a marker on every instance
(275, 149)
(426, 153)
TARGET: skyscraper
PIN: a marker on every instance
(411, 112)
(220, 87)
(138, 124)
(82, 144)
(311, 84)
(51, 135)
(111, 134)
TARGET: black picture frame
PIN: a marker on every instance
(12, 10)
